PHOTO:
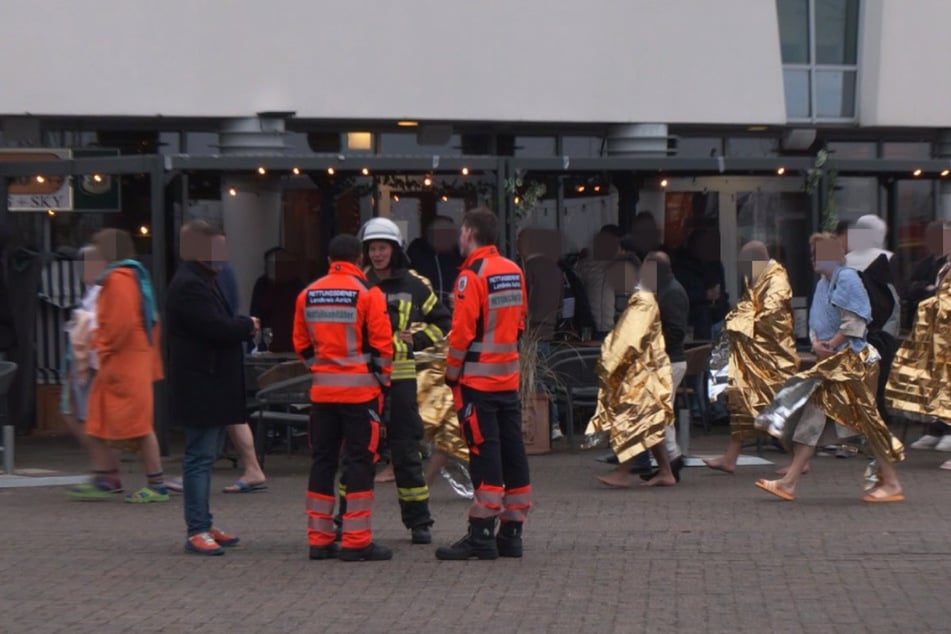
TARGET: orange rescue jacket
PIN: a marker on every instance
(342, 332)
(487, 318)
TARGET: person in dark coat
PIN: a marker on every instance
(205, 376)
(436, 256)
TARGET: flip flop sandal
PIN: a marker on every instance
(871, 497)
(770, 487)
(240, 486)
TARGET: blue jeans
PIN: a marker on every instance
(202, 445)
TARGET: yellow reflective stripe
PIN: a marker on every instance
(433, 331)
(341, 491)
(429, 303)
(403, 310)
(413, 494)
(400, 349)
(404, 369)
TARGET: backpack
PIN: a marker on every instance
(877, 279)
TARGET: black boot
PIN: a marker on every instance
(329, 551)
(373, 552)
(479, 543)
(422, 534)
(509, 539)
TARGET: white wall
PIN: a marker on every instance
(904, 63)
(534, 60)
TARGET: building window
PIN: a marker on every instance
(819, 43)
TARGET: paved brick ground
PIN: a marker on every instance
(712, 555)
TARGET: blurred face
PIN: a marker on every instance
(827, 256)
(859, 239)
(442, 236)
(381, 254)
(93, 266)
(219, 252)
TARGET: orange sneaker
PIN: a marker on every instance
(203, 544)
(223, 538)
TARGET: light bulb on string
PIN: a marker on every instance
(295, 171)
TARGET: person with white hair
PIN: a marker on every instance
(867, 254)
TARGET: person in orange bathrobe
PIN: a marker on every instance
(127, 345)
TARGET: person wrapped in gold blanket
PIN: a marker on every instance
(762, 351)
(634, 397)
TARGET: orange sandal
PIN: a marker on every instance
(770, 486)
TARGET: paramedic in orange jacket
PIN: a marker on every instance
(482, 367)
(342, 332)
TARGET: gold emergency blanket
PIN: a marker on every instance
(762, 351)
(919, 385)
(842, 386)
(436, 407)
(634, 376)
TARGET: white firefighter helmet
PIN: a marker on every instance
(381, 229)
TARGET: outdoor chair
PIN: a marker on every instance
(8, 371)
(570, 375)
(283, 399)
(695, 382)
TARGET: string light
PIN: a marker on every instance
(945, 172)
(579, 189)
(664, 182)
(781, 170)
(232, 191)
(465, 171)
(40, 179)
(330, 171)
(516, 200)
(365, 171)
(97, 178)
(916, 173)
(296, 171)
(262, 171)
(396, 198)
(597, 188)
(427, 181)
(50, 212)
(444, 198)
(144, 230)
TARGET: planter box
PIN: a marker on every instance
(536, 427)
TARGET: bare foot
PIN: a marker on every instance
(719, 464)
(661, 480)
(784, 470)
(253, 477)
(386, 475)
(618, 479)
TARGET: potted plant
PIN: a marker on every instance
(536, 423)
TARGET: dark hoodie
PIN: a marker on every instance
(440, 269)
(674, 310)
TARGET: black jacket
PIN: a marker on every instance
(674, 309)
(440, 269)
(205, 356)
(409, 300)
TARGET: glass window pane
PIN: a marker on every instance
(835, 94)
(837, 26)
(781, 221)
(796, 83)
(853, 149)
(794, 30)
(855, 197)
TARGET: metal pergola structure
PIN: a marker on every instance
(162, 169)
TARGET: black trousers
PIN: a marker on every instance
(404, 436)
(492, 425)
(356, 428)
(887, 346)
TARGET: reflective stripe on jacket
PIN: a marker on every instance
(342, 332)
(488, 315)
(410, 300)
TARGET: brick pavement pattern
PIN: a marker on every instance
(714, 554)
